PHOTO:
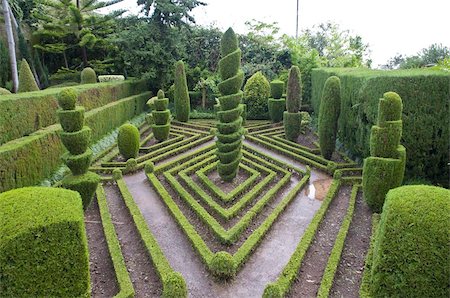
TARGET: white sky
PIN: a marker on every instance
(389, 26)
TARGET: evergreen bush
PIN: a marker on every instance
(328, 116)
(222, 266)
(67, 98)
(4, 91)
(276, 104)
(88, 76)
(161, 117)
(256, 94)
(174, 286)
(27, 83)
(181, 94)
(292, 118)
(128, 141)
(276, 89)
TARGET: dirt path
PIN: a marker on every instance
(263, 266)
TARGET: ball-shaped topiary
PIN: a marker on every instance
(174, 286)
(128, 141)
(276, 89)
(27, 83)
(131, 165)
(292, 119)
(149, 167)
(117, 174)
(88, 76)
(329, 111)
(256, 94)
(67, 98)
(410, 256)
(222, 266)
(181, 94)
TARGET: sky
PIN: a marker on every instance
(390, 27)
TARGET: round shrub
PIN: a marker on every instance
(276, 89)
(43, 245)
(85, 185)
(149, 167)
(117, 174)
(256, 94)
(411, 247)
(272, 291)
(78, 164)
(77, 142)
(276, 109)
(67, 98)
(181, 95)
(174, 286)
(131, 165)
(71, 120)
(222, 265)
(330, 107)
(4, 91)
(128, 141)
(88, 76)
(27, 83)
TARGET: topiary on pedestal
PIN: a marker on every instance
(161, 117)
(330, 107)
(181, 94)
(229, 109)
(27, 83)
(292, 118)
(76, 138)
(276, 103)
(128, 141)
(385, 168)
(88, 76)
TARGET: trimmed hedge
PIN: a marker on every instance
(27, 83)
(256, 94)
(329, 115)
(410, 257)
(24, 113)
(28, 160)
(426, 99)
(88, 76)
(292, 124)
(276, 89)
(181, 94)
(42, 230)
(128, 141)
(71, 120)
(292, 118)
(76, 142)
(85, 184)
(276, 109)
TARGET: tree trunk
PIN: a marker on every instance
(84, 52)
(11, 45)
(65, 59)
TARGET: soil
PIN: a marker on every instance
(337, 157)
(310, 274)
(227, 187)
(145, 280)
(103, 276)
(308, 138)
(348, 276)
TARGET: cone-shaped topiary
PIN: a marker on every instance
(4, 91)
(128, 141)
(230, 109)
(292, 118)
(330, 107)
(256, 94)
(410, 252)
(276, 104)
(76, 138)
(385, 168)
(88, 76)
(27, 82)
(160, 117)
(181, 94)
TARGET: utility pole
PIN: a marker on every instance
(296, 23)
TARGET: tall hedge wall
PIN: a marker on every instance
(28, 160)
(426, 98)
(24, 113)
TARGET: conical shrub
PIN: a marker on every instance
(27, 83)
(181, 94)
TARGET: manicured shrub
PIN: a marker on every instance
(43, 245)
(329, 115)
(149, 167)
(71, 120)
(85, 184)
(222, 266)
(174, 286)
(276, 109)
(272, 291)
(229, 127)
(384, 170)
(276, 89)
(88, 76)
(117, 174)
(161, 132)
(4, 91)
(110, 78)
(67, 98)
(292, 118)
(256, 94)
(131, 165)
(410, 257)
(76, 142)
(78, 164)
(181, 95)
(27, 82)
(128, 141)
(161, 117)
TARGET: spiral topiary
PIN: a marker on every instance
(292, 118)
(88, 76)
(330, 107)
(276, 104)
(230, 109)
(256, 94)
(76, 138)
(161, 117)
(128, 141)
(27, 83)
(181, 94)
(385, 168)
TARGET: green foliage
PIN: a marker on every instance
(276, 89)
(410, 257)
(131, 165)
(181, 95)
(128, 141)
(174, 286)
(78, 164)
(117, 174)
(88, 76)
(360, 90)
(276, 109)
(222, 265)
(77, 142)
(5, 66)
(43, 231)
(161, 117)
(71, 120)
(4, 91)
(272, 291)
(328, 116)
(85, 184)
(160, 94)
(294, 90)
(256, 94)
(27, 82)
(434, 54)
(149, 167)
(292, 124)
(67, 98)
